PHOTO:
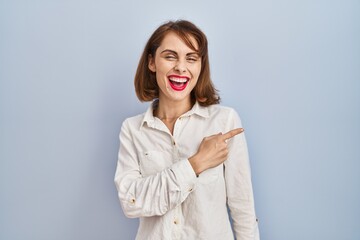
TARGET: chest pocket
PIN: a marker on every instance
(211, 175)
(152, 162)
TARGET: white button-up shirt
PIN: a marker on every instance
(157, 184)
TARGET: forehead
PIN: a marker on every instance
(174, 42)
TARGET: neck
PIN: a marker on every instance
(171, 110)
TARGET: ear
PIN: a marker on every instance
(151, 64)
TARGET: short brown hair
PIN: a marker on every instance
(145, 80)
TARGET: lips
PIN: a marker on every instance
(178, 83)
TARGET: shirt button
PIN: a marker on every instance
(132, 200)
(190, 189)
(176, 222)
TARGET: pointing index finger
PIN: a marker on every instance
(232, 133)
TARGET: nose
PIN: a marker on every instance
(180, 66)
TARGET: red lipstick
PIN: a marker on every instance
(177, 82)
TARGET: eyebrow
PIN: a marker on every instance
(172, 51)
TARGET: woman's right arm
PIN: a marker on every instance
(152, 195)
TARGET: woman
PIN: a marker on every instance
(176, 171)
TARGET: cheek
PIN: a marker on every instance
(161, 79)
(164, 66)
(197, 67)
(196, 70)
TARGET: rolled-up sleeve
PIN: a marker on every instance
(152, 195)
(239, 186)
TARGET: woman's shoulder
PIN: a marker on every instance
(225, 114)
(134, 121)
(222, 110)
(136, 118)
(140, 118)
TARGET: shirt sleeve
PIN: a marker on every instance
(153, 195)
(238, 185)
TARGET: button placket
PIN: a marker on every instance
(177, 128)
(177, 222)
(176, 215)
(176, 153)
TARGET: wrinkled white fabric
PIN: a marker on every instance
(157, 184)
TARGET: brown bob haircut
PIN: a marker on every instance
(145, 80)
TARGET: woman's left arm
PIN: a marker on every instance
(238, 185)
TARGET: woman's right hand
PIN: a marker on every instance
(212, 151)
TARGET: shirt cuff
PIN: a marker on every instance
(185, 175)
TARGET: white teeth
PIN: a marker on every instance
(179, 80)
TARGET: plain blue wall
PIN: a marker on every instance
(290, 68)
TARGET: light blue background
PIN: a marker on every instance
(290, 68)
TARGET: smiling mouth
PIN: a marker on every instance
(178, 83)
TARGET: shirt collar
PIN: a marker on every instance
(197, 109)
(149, 118)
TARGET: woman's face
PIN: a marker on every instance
(177, 68)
